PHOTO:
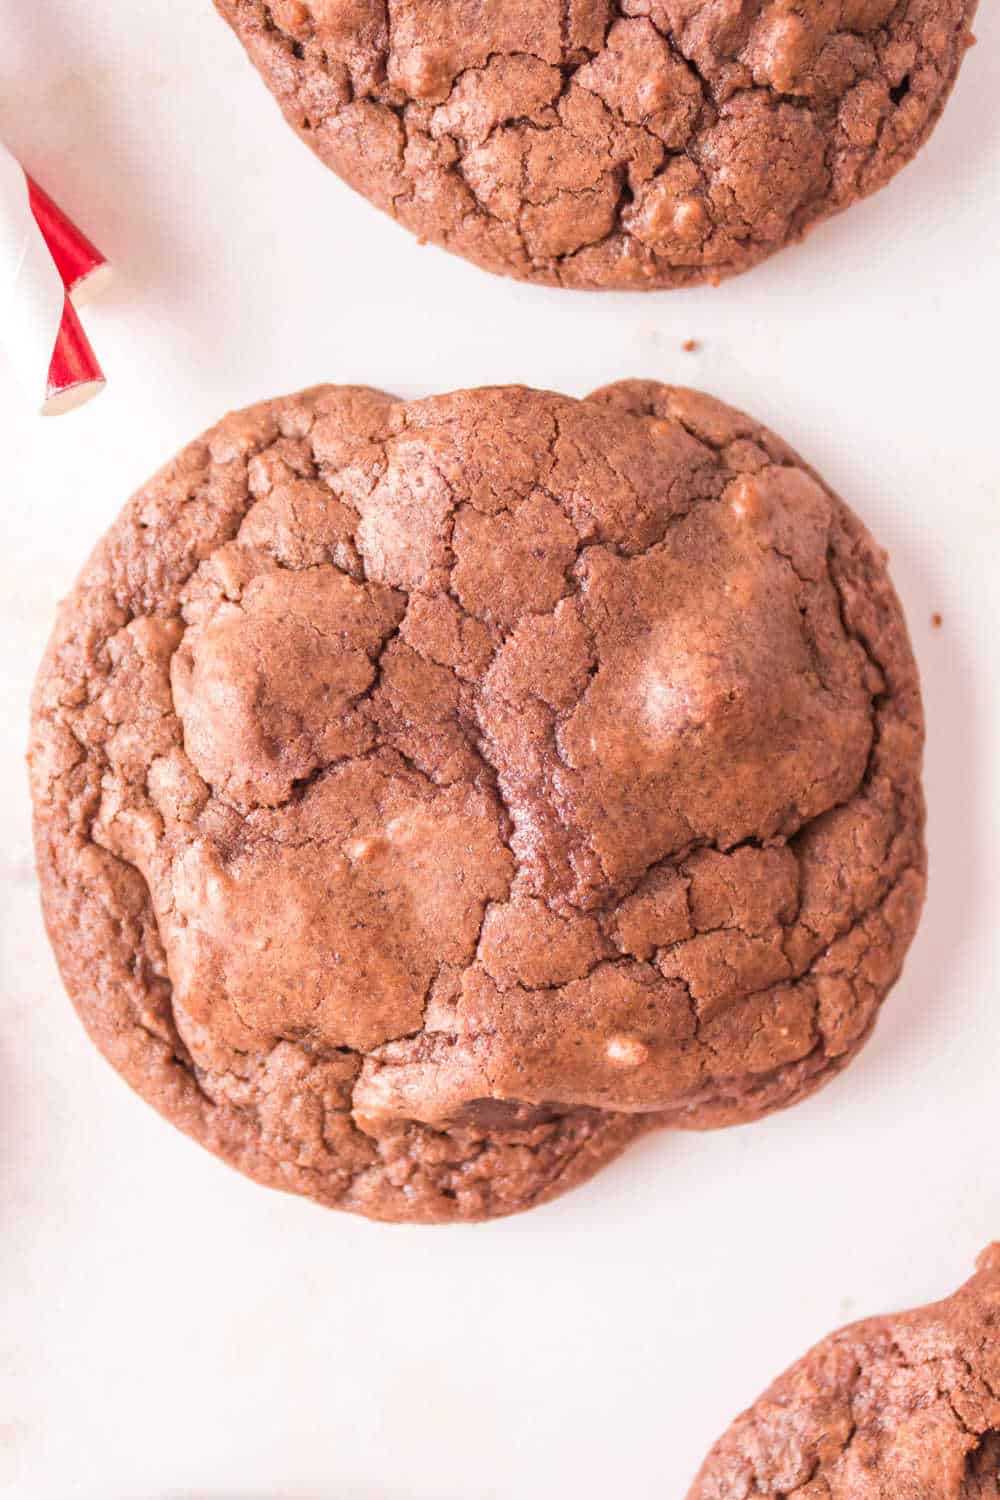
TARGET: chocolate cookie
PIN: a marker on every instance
(896, 1408)
(610, 143)
(431, 796)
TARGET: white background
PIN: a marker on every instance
(168, 1329)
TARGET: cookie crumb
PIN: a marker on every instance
(936, 620)
(690, 345)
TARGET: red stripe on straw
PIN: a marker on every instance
(77, 258)
(74, 374)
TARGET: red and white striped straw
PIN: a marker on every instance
(39, 327)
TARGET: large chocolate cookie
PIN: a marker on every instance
(896, 1408)
(430, 796)
(600, 143)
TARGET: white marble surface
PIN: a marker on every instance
(170, 1330)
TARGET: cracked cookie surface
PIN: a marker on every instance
(430, 797)
(905, 1407)
(609, 143)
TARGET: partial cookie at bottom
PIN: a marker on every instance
(904, 1407)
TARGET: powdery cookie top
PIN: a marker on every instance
(896, 1408)
(610, 143)
(430, 796)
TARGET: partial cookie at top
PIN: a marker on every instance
(905, 1407)
(610, 143)
(430, 797)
